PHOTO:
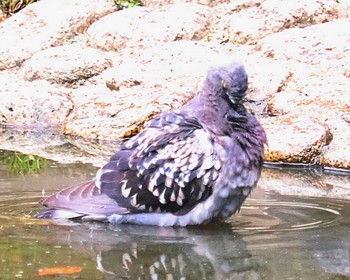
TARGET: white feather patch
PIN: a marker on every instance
(204, 142)
(125, 191)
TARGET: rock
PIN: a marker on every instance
(252, 20)
(183, 58)
(140, 26)
(171, 60)
(50, 143)
(67, 64)
(103, 73)
(156, 81)
(103, 114)
(107, 114)
(336, 154)
(157, 3)
(298, 93)
(295, 140)
(318, 84)
(314, 45)
(38, 104)
(265, 79)
(45, 24)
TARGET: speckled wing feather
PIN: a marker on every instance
(169, 167)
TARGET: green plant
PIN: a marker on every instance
(124, 4)
(22, 164)
(10, 7)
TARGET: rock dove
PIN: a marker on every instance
(191, 166)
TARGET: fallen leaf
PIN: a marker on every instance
(59, 270)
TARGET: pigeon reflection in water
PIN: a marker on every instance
(133, 252)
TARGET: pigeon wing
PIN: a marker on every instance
(169, 167)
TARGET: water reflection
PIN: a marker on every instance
(309, 181)
(332, 251)
(136, 252)
(275, 236)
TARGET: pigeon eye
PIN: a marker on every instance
(223, 84)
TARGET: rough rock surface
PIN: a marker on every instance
(45, 24)
(296, 140)
(65, 64)
(101, 73)
(26, 104)
(142, 27)
(248, 21)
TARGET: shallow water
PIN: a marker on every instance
(275, 236)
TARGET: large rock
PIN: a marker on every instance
(336, 154)
(319, 44)
(139, 27)
(45, 24)
(157, 3)
(317, 58)
(247, 21)
(295, 140)
(69, 64)
(38, 104)
(123, 68)
(104, 114)
(187, 59)
(137, 89)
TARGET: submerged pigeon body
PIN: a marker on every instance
(191, 166)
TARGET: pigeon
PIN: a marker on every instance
(189, 166)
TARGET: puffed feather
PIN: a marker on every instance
(190, 166)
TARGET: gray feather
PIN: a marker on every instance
(189, 166)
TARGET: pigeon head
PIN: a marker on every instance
(230, 81)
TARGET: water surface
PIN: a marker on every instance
(275, 236)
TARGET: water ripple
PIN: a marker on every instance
(18, 208)
(257, 215)
(260, 215)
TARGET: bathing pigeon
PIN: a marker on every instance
(191, 166)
